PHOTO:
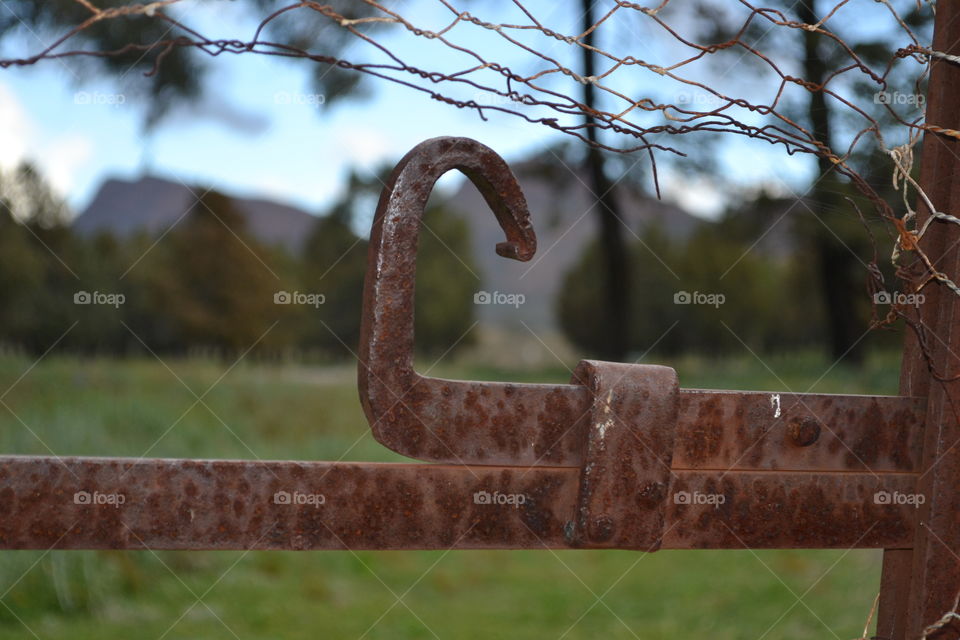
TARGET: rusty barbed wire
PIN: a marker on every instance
(947, 618)
(633, 124)
(935, 627)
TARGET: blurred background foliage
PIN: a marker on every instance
(208, 286)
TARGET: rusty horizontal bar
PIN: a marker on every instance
(534, 424)
(118, 503)
(798, 431)
(792, 510)
(497, 423)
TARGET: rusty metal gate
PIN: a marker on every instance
(621, 457)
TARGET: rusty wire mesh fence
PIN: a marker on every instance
(754, 95)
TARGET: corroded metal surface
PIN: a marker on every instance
(628, 449)
(762, 430)
(921, 586)
(770, 510)
(114, 503)
(73, 503)
(539, 424)
(494, 423)
(446, 420)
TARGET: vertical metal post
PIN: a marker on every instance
(920, 585)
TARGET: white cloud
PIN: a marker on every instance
(309, 192)
(698, 195)
(62, 160)
(15, 130)
(365, 148)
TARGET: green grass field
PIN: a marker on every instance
(132, 408)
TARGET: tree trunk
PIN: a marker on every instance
(835, 263)
(616, 280)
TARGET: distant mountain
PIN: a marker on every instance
(559, 201)
(561, 207)
(150, 204)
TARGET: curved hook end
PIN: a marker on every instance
(521, 251)
(405, 410)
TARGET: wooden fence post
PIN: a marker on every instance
(920, 585)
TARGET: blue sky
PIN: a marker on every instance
(245, 139)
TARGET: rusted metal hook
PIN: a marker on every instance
(549, 424)
(431, 418)
(626, 458)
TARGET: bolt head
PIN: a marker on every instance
(601, 529)
(803, 432)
